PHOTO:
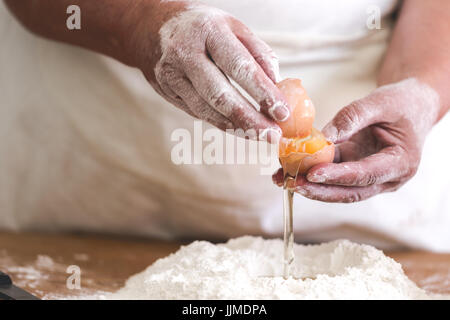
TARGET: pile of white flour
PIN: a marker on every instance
(251, 268)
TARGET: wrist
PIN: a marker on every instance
(436, 80)
(141, 39)
(439, 81)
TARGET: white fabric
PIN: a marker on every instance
(85, 141)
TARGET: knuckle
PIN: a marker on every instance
(239, 116)
(215, 35)
(177, 54)
(239, 26)
(177, 51)
(204, 22)
(167, 91)
(265, 56)
(219, 100)
(354, 197)
(214, 40)
(241, 67)
(371, 179)
(244, 133)
(241, 122)
(267, 104)
(225, 103)
(179, 86)
(164, 70)
(172, 76)
(261, 57)
(349, 114)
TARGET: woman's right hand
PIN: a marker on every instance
(189, 52)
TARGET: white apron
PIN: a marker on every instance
(85, 141)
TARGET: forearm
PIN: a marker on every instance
(420, 48)
(106, 26)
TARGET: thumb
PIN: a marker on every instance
(353, 118)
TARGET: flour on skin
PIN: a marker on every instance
(202, 48)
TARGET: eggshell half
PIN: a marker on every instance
(296, 163)
(302, 110)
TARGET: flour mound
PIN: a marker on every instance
(251, 268)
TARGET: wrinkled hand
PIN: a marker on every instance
(378, 144)
(199, 49)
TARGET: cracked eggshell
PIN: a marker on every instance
(300, 162)
(302, 110)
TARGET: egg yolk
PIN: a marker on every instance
(311, 144)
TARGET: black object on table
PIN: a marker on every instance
(8, 291)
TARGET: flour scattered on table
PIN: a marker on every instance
(28, 276)
(45, 262)
(251, 268)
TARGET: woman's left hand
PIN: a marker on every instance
(378, 141)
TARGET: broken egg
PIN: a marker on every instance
(301, 146)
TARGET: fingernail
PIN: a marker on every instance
(317, 178)
(279, 111)
(271, 135)
(330, 132)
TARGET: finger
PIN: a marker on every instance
(278, 177)
(338, 154)
(213, 86)
(357, 116)
(341, 194)
(163, 87)
(390, 164)
(164, 81)
(233, 58)
(177, 102)
(261, 51)
(358, 147)
(198, 106)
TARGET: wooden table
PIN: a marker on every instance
(38, 263)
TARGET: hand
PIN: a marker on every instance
(199, 49)
(378, 144)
